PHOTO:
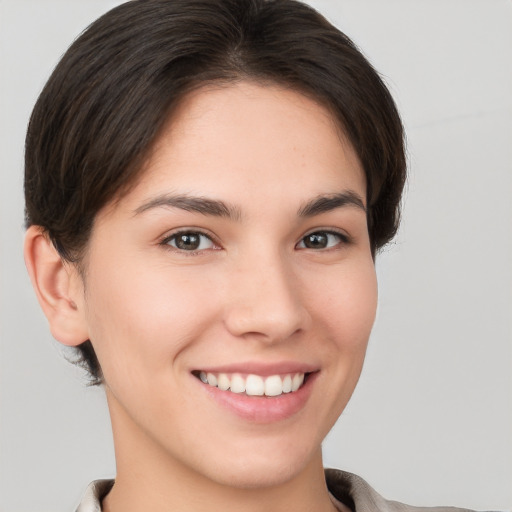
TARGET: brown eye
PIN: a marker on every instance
(190, 241)
(316, 241)
(321, 240)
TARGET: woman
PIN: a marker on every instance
(207, 185)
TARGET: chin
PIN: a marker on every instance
(262, 476)
(265, 468)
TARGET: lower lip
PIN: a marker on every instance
(262, 409)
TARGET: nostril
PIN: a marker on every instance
(268, 325)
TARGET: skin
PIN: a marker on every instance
(252, 292)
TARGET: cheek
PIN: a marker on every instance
(142, 316)
(342, 312)
(347, 313)
(348, 305)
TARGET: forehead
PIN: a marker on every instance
(224, 139)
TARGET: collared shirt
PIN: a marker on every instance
(346, 490)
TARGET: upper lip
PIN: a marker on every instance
(261, 368)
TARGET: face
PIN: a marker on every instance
(240, 260)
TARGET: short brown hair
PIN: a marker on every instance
(108, 98)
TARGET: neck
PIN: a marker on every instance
(150, 479)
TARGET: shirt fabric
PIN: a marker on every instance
(344, 487)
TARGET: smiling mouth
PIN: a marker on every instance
(253, 385)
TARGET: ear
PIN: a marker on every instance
(58, 286)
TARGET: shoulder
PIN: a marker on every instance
(96, 491)
(347, 488)
(359, 496)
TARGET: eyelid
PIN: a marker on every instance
(164, 241)
(345, 239)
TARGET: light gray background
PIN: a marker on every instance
(431, 420)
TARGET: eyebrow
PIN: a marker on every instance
(201, 205)
(326, 203)
(218, 208)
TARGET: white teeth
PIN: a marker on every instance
(254, 385)
(287, 384)
(212, 380)
(297, 381)
(273, 386)
(223, 382)
(237, 384)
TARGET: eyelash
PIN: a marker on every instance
(174, 236)
(343, 239)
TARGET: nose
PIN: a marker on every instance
(264, 300)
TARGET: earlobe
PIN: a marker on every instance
(58, 288)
